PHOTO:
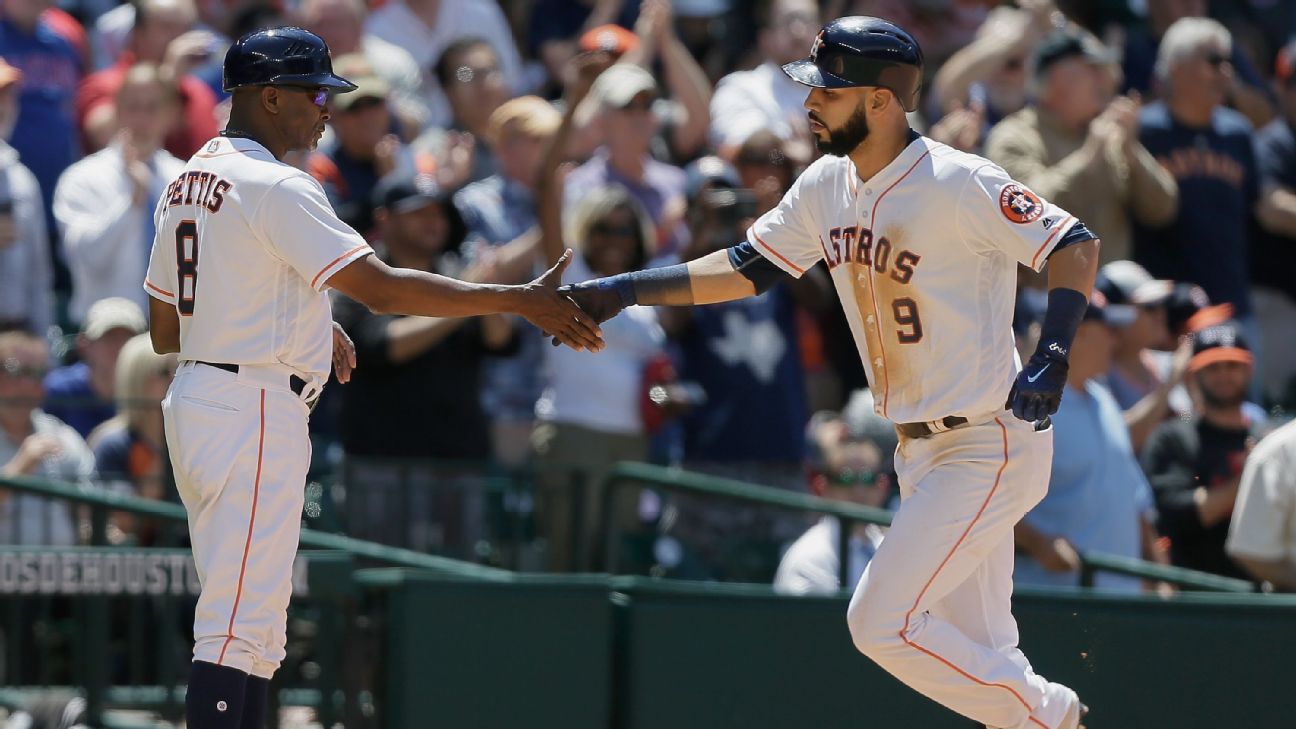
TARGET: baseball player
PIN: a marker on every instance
(245, 248)
(923, 243)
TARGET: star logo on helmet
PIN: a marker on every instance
(814, 49)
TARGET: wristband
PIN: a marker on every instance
(1066, 309)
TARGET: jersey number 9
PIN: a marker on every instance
(186, 240)
(905, 311)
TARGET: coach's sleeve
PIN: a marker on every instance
(300, 227)
(997, 213)
(787, 234)
(160, 280)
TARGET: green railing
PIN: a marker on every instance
(640, 475)
(88, 617)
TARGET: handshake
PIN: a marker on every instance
(570, 314)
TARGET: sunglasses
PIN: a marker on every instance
(470, 75)
(17, 370)
(848, 477)
(1216, 59)
(624, 231)
(319, 94)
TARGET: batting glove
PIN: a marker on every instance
(1037, 393)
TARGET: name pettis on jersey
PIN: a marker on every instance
(204, 189)
(852, 244)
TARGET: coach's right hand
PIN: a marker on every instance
(556, 314)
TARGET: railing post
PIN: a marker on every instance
(606, 524)
(1087, 573)
(844, 528)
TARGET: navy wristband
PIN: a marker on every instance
(1066, 309)
(623, 285)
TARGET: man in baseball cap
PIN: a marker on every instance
(82, 394)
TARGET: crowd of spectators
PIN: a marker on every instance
(486, 136)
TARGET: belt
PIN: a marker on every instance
(295, 383)
(924, 430)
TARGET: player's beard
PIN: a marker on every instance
(842, 141)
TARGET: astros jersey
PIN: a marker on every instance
(924, 258)
(244, 248)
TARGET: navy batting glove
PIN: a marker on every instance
(1037, 393)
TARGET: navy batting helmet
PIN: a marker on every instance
(863, 51)
(281, 57)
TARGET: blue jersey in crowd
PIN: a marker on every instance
(1274, 256)
(1208, 242)
(46, 134)
(70, 398)
(744, 355)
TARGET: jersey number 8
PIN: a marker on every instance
(186, 240)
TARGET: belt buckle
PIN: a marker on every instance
(937, 426)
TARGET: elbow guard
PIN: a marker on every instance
(758, 269)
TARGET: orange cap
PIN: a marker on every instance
(610, 38)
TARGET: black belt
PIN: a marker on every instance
(923, 430)
(296, 383)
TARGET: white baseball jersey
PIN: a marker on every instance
(245, 246)
(924, 258)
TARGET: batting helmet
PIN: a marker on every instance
(281, 57)
(863, 51)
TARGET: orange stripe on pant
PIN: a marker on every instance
(256, 493)
(904, 632)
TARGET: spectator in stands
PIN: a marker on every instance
(341, 24)
(1195, 465)
(764, 97)
(427, 29)
(688, 88)
(130, 447)
(33, 443)
(1079, 146)
(1098, 498)
(104, 203)
(469, 72)
(1274, 252)
(843, 464)
(1207, 147)
(45, 133)
(364, 148)
(415, 367)
(83, 394)
(1262, 533)
(625, 95)
(26, 279)
(744, 354)
(166, 35)
(589, 414)
(1138, 379)
(990, 74)
(497, 211)
(1142, 59)
(559, 29)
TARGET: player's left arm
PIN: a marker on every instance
(164, 326)
(1072, 267)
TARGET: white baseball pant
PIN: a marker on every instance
(240, 450)
(934, 605)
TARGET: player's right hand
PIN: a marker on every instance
(556, 314)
